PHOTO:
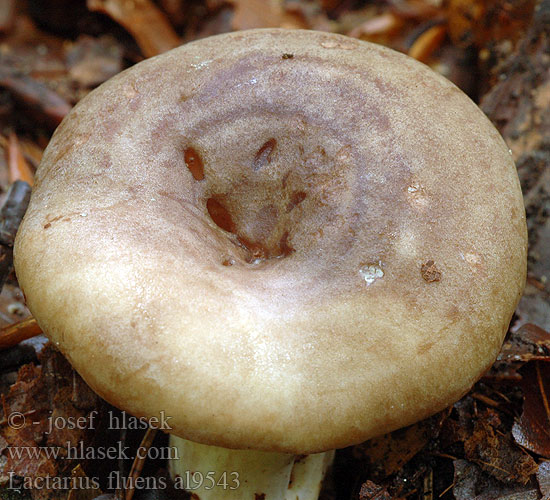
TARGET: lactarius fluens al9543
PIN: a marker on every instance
(286, 241)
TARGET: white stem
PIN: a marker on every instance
(307, 476)
(214, 473)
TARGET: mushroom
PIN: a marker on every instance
(287, 242)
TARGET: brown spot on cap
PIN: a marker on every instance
(288, 56)
(429, 272)
(194, 164)
(219, 214)
(263, 156)
(284, 246)
(296, 199)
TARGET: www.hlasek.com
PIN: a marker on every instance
(115, 481)
(81, 452)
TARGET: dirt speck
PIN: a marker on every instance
(333, 44)
(429, 272)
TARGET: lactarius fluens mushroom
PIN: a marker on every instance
(286, 241)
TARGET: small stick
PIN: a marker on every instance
(13, 334)
(139, 461)
(485, 399)
(447, 489)
(443, 455)
(426, 44)
(18, 167)
(119, 494)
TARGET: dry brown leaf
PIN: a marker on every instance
(7, 15)
(331, 4)
(143, 20)
(518, 106)
(306, 15)
(528, 343)
(532, 431)
(84, 489)
(176, 10)
(52, 389)
(478, 22)
(379, 28)
(471, 483)
(497, 454)
(518, 103)
(464, 16)
(31, 151)
(371, 491)
(249, 14)
(38, 97)
(388, 453)
(543, 478)
(419, 10)
(92, 61)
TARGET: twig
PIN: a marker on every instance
(447, 489)
(443, 455)
(485, 399)
(428, 486)
(139, 461)
(119, 494)
(13, 334)
(488, 464)
(18, 167)
(428, 42)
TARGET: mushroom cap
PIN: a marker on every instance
(284, 240)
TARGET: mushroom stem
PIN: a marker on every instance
(214, 473)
